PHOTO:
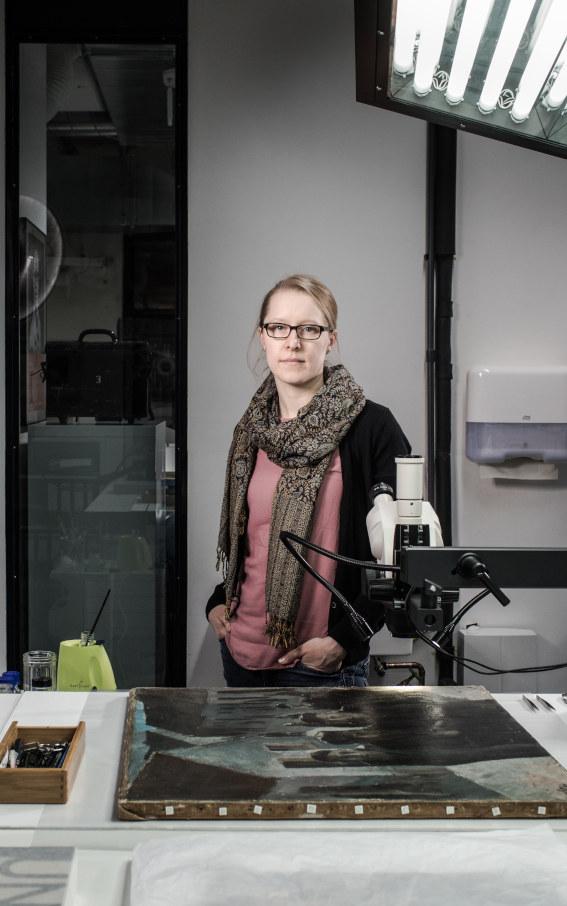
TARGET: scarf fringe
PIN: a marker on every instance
(281, 633)
(222, 562)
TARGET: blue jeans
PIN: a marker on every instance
(300, 675)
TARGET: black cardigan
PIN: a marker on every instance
(367, 457)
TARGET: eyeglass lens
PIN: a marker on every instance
(303, 331)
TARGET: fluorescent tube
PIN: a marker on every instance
(540, 18)
(513, 28)
(472, 28)
(431, 40)
(558, 91)
(544, 54)
(407, 22)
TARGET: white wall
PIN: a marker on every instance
(288, 173)
(509, 291)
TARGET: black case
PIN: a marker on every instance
(105, 380)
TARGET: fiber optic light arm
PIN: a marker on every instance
(469, 566)
(359, 624)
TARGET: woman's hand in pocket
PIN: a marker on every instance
(219, 622)
(323, 654)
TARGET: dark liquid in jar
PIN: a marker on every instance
(41, 682)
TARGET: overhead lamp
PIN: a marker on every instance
(495, 67)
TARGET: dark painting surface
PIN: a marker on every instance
(307, 752)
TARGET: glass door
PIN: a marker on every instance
(98, 361)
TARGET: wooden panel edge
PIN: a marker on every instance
(122, 780)
(352, 810)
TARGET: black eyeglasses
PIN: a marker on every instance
(278, 331)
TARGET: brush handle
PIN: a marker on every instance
(97, 618)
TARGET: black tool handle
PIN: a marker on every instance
(469, 565)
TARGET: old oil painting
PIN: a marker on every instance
(397, 752)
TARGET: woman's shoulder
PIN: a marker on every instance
(374, 415)
(376, 423)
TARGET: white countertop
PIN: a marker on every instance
(87, 818)
(103, 846)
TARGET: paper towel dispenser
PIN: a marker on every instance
(516, 413)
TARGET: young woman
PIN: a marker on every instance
(303, 458)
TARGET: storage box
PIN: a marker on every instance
(41, 785)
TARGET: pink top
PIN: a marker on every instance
(247, 639)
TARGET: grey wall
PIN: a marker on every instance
(509, 291)
(287, 172)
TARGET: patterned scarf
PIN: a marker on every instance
(303, 447)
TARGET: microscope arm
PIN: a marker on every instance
(515, 567)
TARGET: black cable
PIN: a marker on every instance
(340, 558)
(363, 628)
(487, 671)
(448, 629)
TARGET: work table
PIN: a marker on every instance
(87, 821)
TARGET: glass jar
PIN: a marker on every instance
(39, 671)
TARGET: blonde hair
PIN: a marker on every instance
(321, 295)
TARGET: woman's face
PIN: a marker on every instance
(294, 361)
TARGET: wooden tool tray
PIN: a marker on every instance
(41, 785)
